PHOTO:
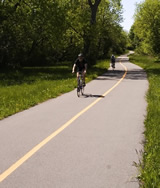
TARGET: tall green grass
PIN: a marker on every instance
(21, 89)
(150, 166)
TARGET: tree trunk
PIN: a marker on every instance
(94, 8)
(90, 39)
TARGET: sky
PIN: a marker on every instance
(128, 12)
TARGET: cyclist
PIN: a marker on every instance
(81, 65)
(113, 60)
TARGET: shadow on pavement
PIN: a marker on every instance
(133, 74)
(122, 60)
(111, 74)
(136, 74)
(93, 96)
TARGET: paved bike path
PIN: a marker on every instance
(96, 149)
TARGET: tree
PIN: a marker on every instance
(29, 31)
(102, 34)
(38, 32)
(147, 27)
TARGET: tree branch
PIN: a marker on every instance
(90, 3)
(74, 30)
(97, 2)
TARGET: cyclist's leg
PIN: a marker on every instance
(83, 75)
(113, 64)
(78, 82)
(77, 77)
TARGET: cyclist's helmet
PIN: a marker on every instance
(80, 55)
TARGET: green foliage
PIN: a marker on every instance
(133, 39)
(42, 32)
(147, 27)
(27, 31)
(150, 167)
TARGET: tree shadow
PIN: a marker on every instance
(111, 75)
(136, 74)
(122, 60)
(29, 75)
(155, 71)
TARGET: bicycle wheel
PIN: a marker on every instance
(113, 66)
(80, 87)
(82, 90)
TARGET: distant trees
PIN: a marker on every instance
(30, 31)
(38, 32)
(145, 32)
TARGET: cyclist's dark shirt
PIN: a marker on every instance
(80, 65)
(113, 59)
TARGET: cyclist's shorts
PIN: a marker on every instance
(80, 70)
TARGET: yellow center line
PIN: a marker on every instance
(17, 164)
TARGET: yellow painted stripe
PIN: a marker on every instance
(46, 140)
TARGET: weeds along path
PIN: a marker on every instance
(89, 141)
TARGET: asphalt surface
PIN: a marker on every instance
(96, 142)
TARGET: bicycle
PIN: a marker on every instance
(80, 86)
(113, 65)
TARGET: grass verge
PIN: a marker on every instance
(22, 89)
(150, 165)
